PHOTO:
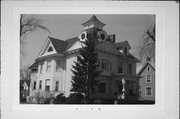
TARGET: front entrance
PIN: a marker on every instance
(117, 90)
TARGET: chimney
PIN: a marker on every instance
(148, 59)
(112, 38)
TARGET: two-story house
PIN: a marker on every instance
(52, 68)
(147, 82)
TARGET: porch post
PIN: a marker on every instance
(123, 90)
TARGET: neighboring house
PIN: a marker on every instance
(52, 68)
(24, 89)
(147, 82)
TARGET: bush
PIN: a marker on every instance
(75, 98)
(60, 99)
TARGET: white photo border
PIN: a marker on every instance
(99, 7)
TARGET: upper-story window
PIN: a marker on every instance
(148, 68)
(41, 68)
(148, 78)
(129, 68)
(58, 65)
(105, 64)
(120, 68)
(49, 66)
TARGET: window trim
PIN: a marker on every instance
(149, 78)
(47, 85)
(151, 91)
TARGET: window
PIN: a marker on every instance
(41, 68)
(148, 91)
(58, 65)
(148, 68)
(132, 90)
(57, 86)
(48, 66)
(148, 78)
(125, 50)
(34, 85)
(129, 68)
(105, 64)
(50, 49)
(120, 67)
(101, 87)
(47, 85)
(40, 84)
(34, 70)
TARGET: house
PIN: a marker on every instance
(51, 70)
(147, 82)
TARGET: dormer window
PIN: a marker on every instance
(125, 50)
(50, 49)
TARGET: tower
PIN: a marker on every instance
(94, 27)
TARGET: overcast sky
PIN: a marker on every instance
(126, 27)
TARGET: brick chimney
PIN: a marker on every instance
(148, 59)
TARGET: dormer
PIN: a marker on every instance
(123, 47)
(93, 22)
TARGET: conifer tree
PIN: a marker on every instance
(86, 69)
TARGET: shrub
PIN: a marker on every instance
(59, 99)
(75, 98)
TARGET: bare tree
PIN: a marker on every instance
(29, 24)
(25, 73)
(147, 45)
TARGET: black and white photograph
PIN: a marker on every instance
(87, 59)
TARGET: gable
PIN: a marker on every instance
(47, 49)
(107, 46)
(76, 46)
(144, 67)
(122, 44)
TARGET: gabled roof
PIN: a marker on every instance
(93, 19)
(71, 41)
(34, 65)
(121, 44)
(59, 45)
(144, 67)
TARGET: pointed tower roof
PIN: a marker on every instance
(93, 19)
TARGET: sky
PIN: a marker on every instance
(126, 27)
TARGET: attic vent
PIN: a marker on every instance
(50, 49)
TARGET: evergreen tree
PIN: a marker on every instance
(86, 69)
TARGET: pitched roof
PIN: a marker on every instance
(121, 44)
(34, 65)
(71, 41)
(93, 19)
(144, 67)
(59, 45)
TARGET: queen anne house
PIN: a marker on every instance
(51, 70)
